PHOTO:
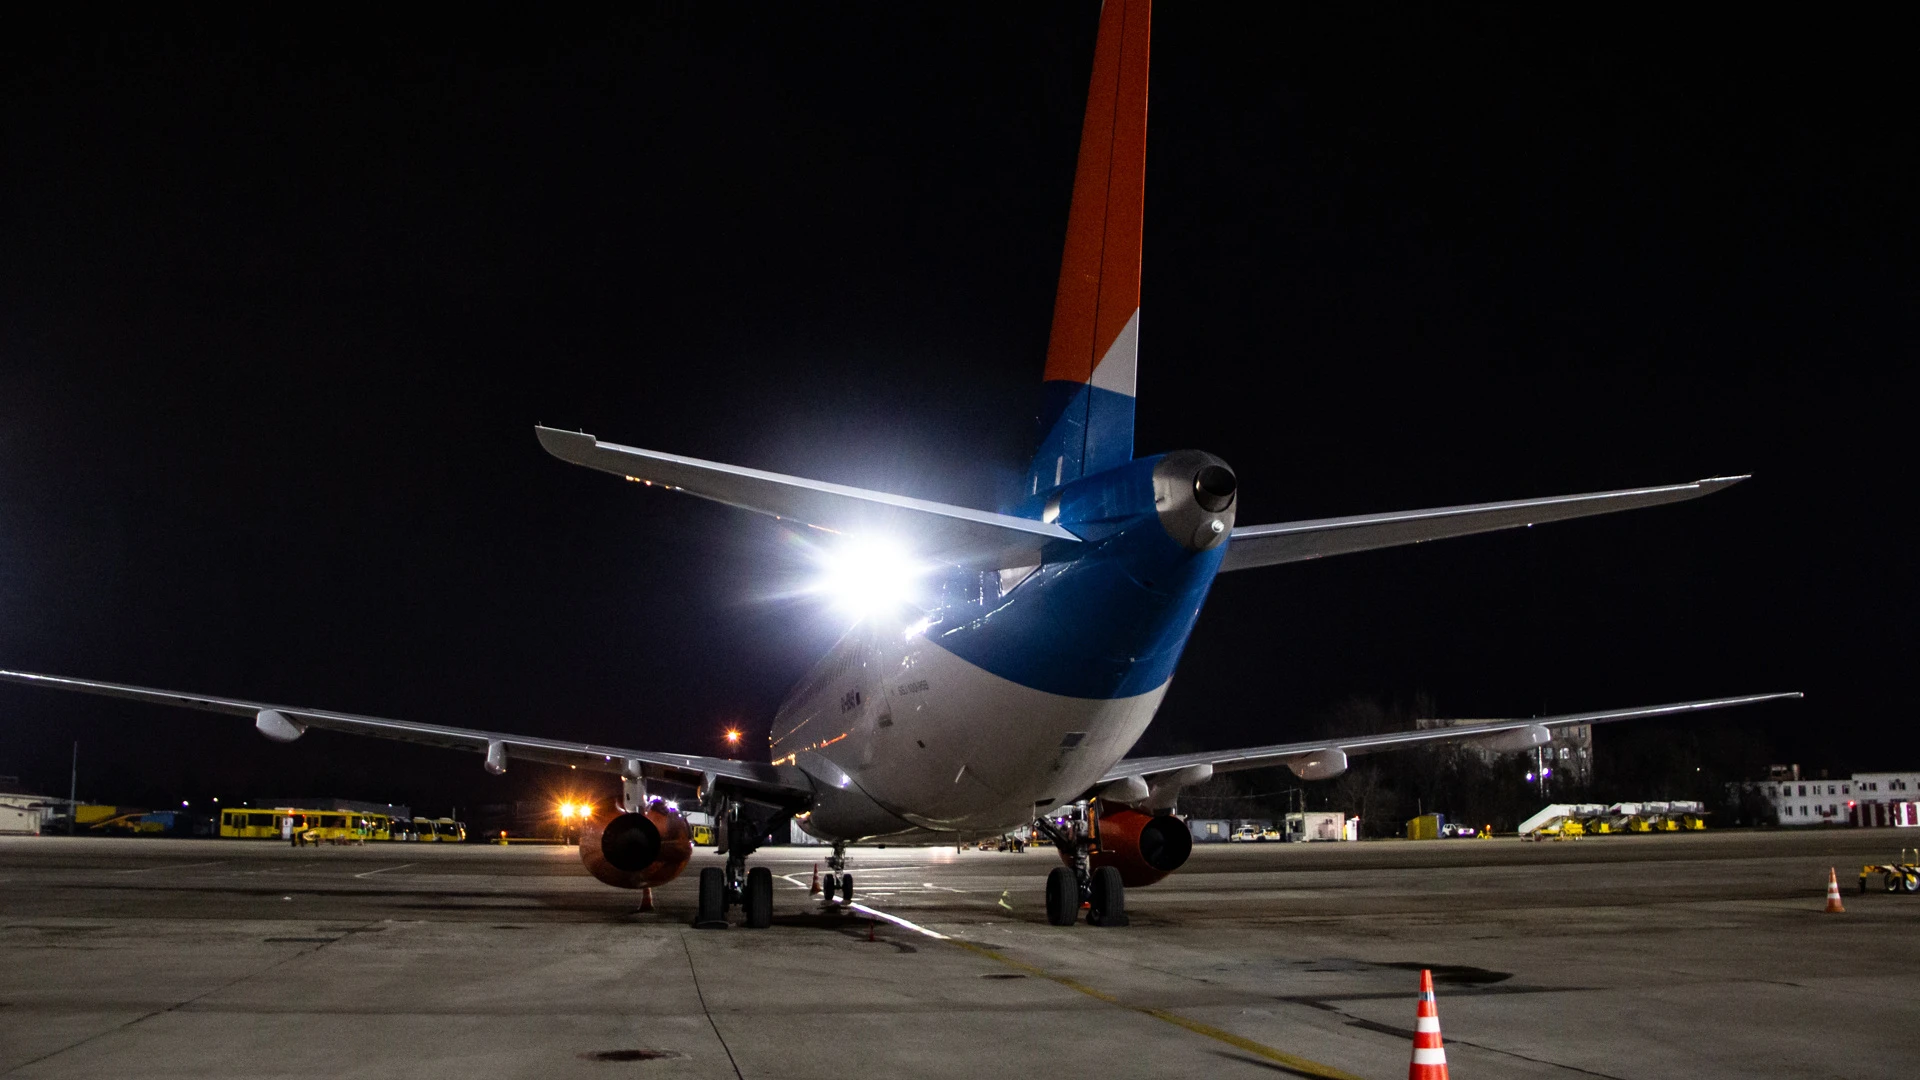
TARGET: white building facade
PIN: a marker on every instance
(1864, 799)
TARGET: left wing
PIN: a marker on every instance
(1322, 758)
(287, 722)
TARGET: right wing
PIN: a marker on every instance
(782, 783)
(1297, 541)
(951, 534)
(1321, 758)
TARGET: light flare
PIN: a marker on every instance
(863, 576)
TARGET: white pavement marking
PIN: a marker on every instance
(942, 888)
(384, 869)
(898, 921)
(172, 866)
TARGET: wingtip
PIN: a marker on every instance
(1715, 483)
(565, 445)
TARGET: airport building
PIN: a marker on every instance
(1568, 759)
(1863, 799)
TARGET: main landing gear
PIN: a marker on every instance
(837, 882)
(736, 886)
(1077, 884)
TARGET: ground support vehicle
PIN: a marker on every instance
(1899, 876)
(249, 825)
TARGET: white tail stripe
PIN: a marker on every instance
(1115, 371)
(1423, 1056)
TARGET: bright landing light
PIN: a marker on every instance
(864, 576)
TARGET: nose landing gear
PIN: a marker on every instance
(837, 880)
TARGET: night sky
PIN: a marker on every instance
(283, 293)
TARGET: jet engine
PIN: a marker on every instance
(1144, 847)
(637, 849)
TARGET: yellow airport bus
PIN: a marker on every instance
(250, 824)
(423, 829)
(449, 831)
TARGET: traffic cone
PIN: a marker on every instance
(1429, 1057)
(1834, 906)
(646, 898)
(815, 891)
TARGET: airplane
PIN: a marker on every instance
(1000, 664)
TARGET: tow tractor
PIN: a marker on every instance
(1899, 876)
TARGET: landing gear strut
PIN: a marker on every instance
(744, 827)
(1077, 884)
(837, 879)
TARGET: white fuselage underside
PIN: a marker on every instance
(905, 737)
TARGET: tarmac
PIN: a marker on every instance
(1692, 955)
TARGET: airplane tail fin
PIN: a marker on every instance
(1087, 404)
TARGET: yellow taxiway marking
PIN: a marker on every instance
(1306, 1066)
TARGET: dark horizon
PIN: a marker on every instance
(284, 295)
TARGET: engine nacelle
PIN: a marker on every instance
(636, 850)
(1143, 847)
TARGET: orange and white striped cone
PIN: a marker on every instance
(1834, 906)
(1429, 1057)
(815, 890)
(646, 898)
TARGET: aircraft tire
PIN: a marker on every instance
(712, 914)
(1063, 897)
(1109, 901)
(1891, 882)
(1912, 885)
(759, 899)
(846, 888)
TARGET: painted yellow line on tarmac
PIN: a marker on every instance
(1304, 1066)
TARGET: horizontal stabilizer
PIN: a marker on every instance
(1485, 732)
(1297, 541)
(284, 723)
(950, 534)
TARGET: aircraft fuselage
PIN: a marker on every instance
(1017, 689)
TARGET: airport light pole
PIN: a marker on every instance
(73, 792)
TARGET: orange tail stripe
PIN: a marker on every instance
(1099, 286)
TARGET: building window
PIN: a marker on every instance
(1803, 789)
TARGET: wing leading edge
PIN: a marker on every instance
(1297, 541)
(1314, 759)
(690, 769)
